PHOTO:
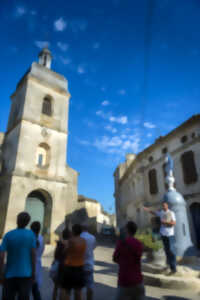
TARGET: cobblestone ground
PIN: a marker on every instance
(106, 280)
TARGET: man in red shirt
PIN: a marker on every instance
(128, 255)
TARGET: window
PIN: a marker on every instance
(150, 158)
(47, 106)
(164, 150)
(184, 139)
(193, 135)
(45, 61)
(43, 156)
(153, 186)
(189, 168)
(40, 160)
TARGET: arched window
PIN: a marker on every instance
(153, 185)
(43, 155)
(150, 158)
(184, 139)
(47, 106)
(164, 150)
(189, 168)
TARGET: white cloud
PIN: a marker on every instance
(81, 70)
(110, 128)
(105, 142)
(42, 44)
(60, 24)
(122, 92)
(96, 45)
(83, 142)
(105, 103)
(20, 11)
(123, 136)
(120, 120)
(149, 125)
(117, 145)
(63, 46)
(65, 61)
(101, 114)
(149, 135)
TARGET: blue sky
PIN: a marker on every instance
(99, 46)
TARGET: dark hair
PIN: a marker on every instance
(66, 234)
(23, 219)
(76, 229)
(165, 202)
(35, 227)
(131, 227)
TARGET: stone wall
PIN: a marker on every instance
(132, 187)
(91, 212)
(31, 130)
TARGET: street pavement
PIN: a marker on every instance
(106, 279)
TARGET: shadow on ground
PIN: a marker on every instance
(101, 291)
(105, 268)
(173, 298)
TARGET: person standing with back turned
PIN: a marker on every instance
(19, 245)
(89, 260)
(127, 255)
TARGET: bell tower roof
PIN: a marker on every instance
(45, 58)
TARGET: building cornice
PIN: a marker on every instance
(30, 175)
(35, 123)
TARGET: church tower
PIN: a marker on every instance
(34, 176)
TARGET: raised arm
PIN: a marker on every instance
(149, 210)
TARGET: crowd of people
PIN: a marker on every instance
(73, 264)
(72, 267)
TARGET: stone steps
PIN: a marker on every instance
(171, 282)
(185, 278)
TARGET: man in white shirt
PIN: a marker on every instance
(89, 260)
(168, 222)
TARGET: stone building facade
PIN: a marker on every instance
(140, 179)
(34, 175)
(90, 211)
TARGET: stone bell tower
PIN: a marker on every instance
(34, 174)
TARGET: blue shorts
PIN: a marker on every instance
(89, 279)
